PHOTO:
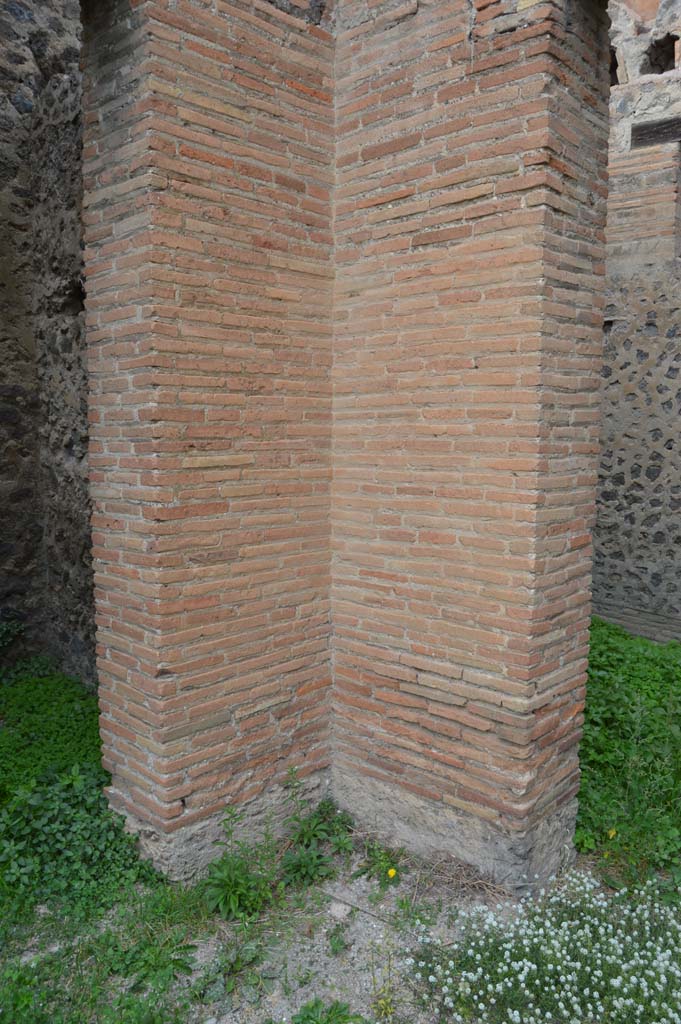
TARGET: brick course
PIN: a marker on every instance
(417, 191)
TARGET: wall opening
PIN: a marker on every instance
(660, 56)
(614, 65)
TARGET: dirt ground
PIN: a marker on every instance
(349, 943)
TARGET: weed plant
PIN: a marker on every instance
(242, 882)
(338, 942)
(384, 998)
(74, 986)
(381, 864)
(318, 1012)
(251, 876)
(126, 970)
(236, 965)
(10, 629)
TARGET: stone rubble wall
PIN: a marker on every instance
(44, 504)
(637, 568)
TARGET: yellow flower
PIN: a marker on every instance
(391, 872)
(612, 833)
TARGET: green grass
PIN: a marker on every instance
(67, 866)
(127, 970)
(58, 838)
(90, 933)
(630, 757)
(49, 725)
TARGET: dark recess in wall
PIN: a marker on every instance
(314, 12)
(660, 56)
(614, 66)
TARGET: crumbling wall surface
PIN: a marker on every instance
(470, 205)
(637, 564)
(44, 505)
(635, 26)
(312, 11)
(19, 520)
(56, 189)
(208, 173)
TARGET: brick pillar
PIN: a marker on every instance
(460, 287)
(208, 169)
(470, 204)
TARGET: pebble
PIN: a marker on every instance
(339, 910)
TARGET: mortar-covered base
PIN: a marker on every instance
(517, 861)
(186, 852)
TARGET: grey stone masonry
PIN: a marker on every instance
(44, 505)
(637, 570)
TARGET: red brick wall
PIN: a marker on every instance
(209, 291)
(469, 214)
(460, 281)
(117, 217)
